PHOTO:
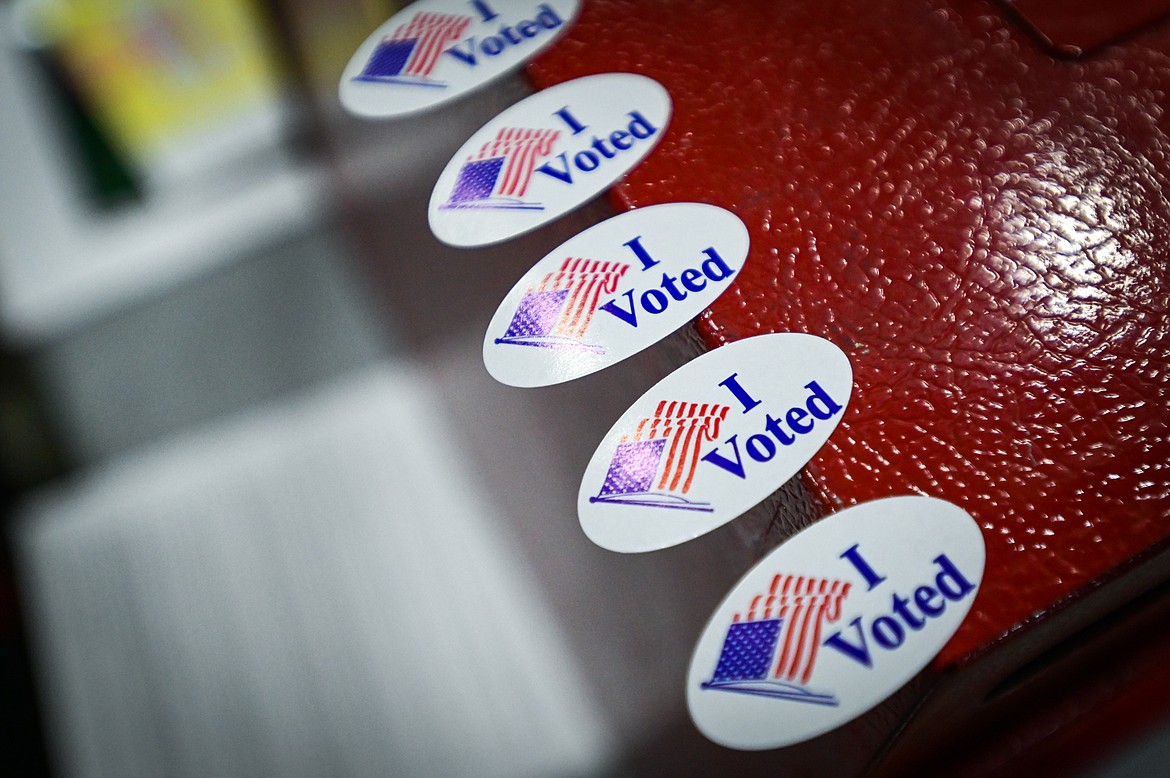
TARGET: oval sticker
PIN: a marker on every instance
(437, 50)
(546, 155)
(613, 290)
(713, 439)
(834, 621)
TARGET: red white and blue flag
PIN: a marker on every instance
(686, 427)
(803, 605)
(433, 33)
(586, 280)
(557, 312)
(521, 150)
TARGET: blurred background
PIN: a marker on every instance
(265, 513)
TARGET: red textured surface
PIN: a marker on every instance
(982, 228)
(1076, 26)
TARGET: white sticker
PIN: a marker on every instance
(546, 155)
(713, 439)
(613, 290)
(437, 50)
(834, 621)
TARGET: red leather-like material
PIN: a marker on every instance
(1072, 27)
(983, 228)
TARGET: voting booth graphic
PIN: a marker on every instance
(771, 650)
(498, 175)
(655, 465)
(409, 54)
(557, 313)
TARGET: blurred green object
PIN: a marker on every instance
(180, 90)
(106, 177)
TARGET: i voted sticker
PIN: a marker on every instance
(437, 50)
(546, 155)
(613, 290)
(834, 621)
(713, 439)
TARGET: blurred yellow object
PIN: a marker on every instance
(327, 33)
(162, 75)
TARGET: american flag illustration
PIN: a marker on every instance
(433, 33)
(556, 312)
(655, 464)
(804, 605)
(521, 149)
(408, 55)
(771, 647)
(687, 426)
(586, 280)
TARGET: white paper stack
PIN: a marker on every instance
(314, 589)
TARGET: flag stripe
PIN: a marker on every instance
(586, 280)
(800, 626)
(804, 606)
(521, 150)
(687, 426)
(794, 610)
(578, 302)
(813, 603)
(433, 32)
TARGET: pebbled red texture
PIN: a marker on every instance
(983, 228)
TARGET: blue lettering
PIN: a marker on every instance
(467, 57)
(776, 427)
(639, 127)
(599, 144)
(950, 581)
(853, 556)
(547, 18)
(691, 279)
(492, 45)
(794, 419)
(929, 601)
(668, 283)
(635, 245)
(760, 447)
(485, 11)
(570, 120)
(890, 630)
(586, 161)
(820, 404)
(714, 267)
(888, 633)
(732, 385)
(858, 652)
(561, 175)
(902, 608)
(654, 301)
(628, 315)
(735, 468)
